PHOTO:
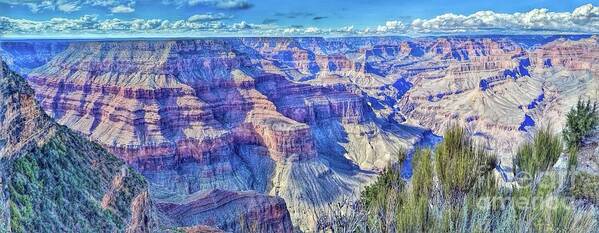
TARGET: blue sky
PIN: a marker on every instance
(103, 18)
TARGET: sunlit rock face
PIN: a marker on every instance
(310, 120)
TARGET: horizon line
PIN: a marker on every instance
(13, 38)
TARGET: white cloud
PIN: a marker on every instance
(242, 25)
(220, 4)
(391, 27)
(92, 25)
(312, 30)
(67, 5)
(233, 4)
(583, 19)
(208, 17)
(122, 9)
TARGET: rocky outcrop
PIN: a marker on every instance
(577, 55)
(52, 179)
(231, 211)
(588, 154)
(143, 217)
(22, 121)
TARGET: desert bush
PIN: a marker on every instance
(459, 162)
(422, 178)
(586, 187)
(388, 181)
(556, 214)
(581, 119)
(539, 154)
(455, 190)
(412, 212)
(379, 200)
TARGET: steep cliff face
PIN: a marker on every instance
(30, 54)
(53, 179)
(231, 211)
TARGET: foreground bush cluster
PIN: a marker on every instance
(455, 189)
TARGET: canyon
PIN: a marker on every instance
(268, 133)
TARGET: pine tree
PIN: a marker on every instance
(580, 121)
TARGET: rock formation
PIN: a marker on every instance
(231, 211)
(52, 179)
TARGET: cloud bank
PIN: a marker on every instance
(219, 4)
(584, 19)
(124, 6)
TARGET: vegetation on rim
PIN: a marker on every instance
(460, 163)
(580, 120)
(455, 189)
(57, 187)
(539, 154)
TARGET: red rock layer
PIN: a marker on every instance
(232, 212)
(164, 107)
(571, 55)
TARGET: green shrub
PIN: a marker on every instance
(412, 212)
(540, 154)
(389, 180)
(422, 178)
(15, 218)
(556, 214)
(548, 185)
(380, 199)
(586, 186)
(580, 120)
(460, 163)
(461, 203)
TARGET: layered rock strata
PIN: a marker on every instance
(231, 211)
